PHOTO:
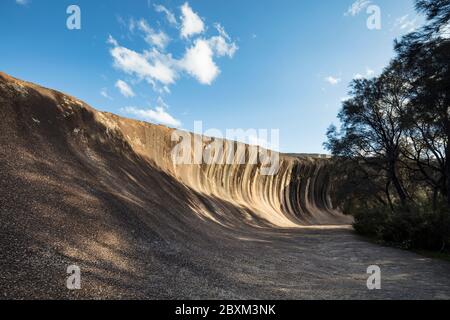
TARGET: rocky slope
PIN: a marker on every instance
(297, 194)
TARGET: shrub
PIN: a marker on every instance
(418, 227)
(370, 222)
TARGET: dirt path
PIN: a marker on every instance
(332, 264)
(288, 264)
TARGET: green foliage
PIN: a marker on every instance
(371, 222)
(419, 227)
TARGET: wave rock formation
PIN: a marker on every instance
(299, 194)
(92, 184)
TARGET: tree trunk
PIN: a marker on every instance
(435, 198)
(392, 159)
(447, 162)
(388, 195)
(397, 185)
(447, 173)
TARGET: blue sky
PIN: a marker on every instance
(268, 64)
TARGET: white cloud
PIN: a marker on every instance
(112, 41)
(406, 23)
(125, 89)
(22, 2)
(159, 115)
(131, 25)
(169, 15)
(332, 80)
(152, 66)
(191, 23)
(222, 48)
(152, 37)
(369, 73)
(158, 67)
(221, 44)
(221, 31)
(357, 7)
(104, 93)
(161, 103)
(198, 62)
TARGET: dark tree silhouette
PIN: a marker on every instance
(437, 13)
(426, 54)
(372, 127)
(403, 116)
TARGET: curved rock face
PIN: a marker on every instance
(297, 194)
(83, 187)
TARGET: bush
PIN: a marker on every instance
(370, 222)
(419, 227)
